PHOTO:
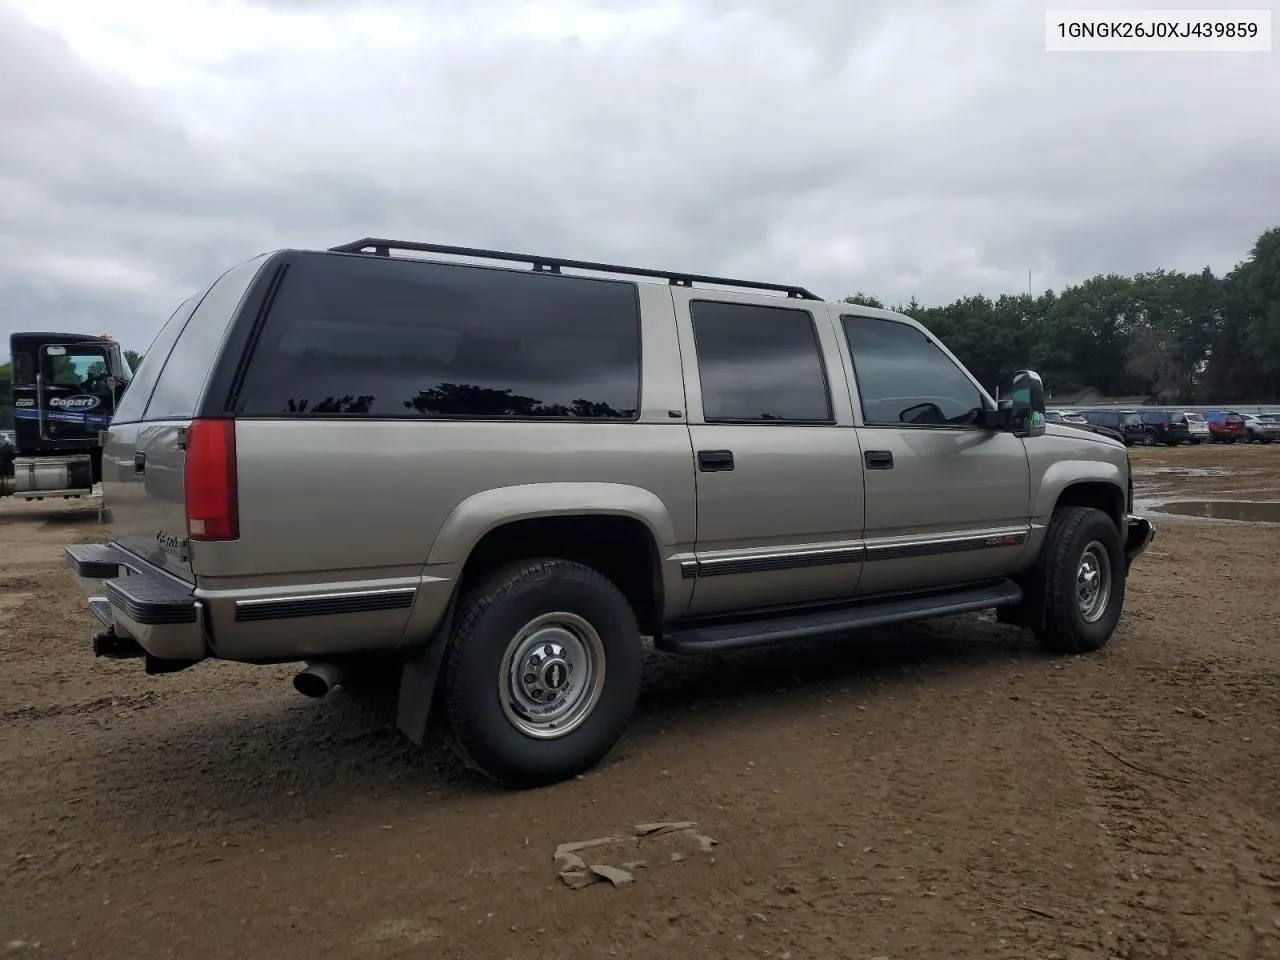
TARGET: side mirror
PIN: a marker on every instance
(1024, 395)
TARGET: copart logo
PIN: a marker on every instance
(81, 402)
(24, 402)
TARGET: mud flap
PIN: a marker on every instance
(1033, 609)
(418, 681)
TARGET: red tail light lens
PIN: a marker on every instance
(213, 509)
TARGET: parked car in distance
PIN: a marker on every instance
(1125, 422)
(1080, 423)
(1261, 427)
(503, 477)
(1168, 427)
(1065, 416)
(1198, 427)
(1226, 426)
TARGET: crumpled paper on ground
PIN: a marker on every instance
(582, 863)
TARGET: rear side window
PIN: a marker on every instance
(759, 364)
(178, 389)
(23, 370)
(389, 338)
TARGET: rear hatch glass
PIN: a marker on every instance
(143, 463)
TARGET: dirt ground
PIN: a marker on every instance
(940, 791)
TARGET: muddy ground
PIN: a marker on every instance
(941, 791)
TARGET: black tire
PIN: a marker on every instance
(490, 618)
(1072, 531)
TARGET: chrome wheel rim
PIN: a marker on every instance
(551, 676)
(1093, 582)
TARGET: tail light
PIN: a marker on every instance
(212, 503)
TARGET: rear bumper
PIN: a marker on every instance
(1138, 536)
(137, 600)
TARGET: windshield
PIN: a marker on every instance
(1196, 417)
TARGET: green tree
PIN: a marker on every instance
(1186, 337)
(865, 300)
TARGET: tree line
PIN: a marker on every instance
(1190, 338)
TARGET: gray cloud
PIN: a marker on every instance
(914, 147)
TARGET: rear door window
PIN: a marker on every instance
(382, 337)
(759, 364)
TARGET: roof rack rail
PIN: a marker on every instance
(383, 248)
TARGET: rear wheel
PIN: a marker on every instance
(542, 672)
(1086, 580)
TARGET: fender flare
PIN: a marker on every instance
(484, 512)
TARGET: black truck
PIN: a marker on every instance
(64, 389)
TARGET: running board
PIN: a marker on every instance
(717, 638)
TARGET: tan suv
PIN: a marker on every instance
(504, 471)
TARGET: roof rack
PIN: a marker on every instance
(383, 248)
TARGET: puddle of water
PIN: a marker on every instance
(1182, 471)
(1256, 511)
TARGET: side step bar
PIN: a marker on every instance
(716, 638)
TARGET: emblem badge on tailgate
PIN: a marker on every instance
(172, 544)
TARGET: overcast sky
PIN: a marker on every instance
(926, 147)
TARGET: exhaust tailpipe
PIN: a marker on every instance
(318, 679)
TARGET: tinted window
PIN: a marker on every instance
(382, 337)
(759, 364)
(904, 378)
(23, 370)
(182, 380)
(134, 401)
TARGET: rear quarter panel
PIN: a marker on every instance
(335, 504)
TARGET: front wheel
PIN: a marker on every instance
(541, 673)
(1085, 580)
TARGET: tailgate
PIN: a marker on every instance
(143, 480)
